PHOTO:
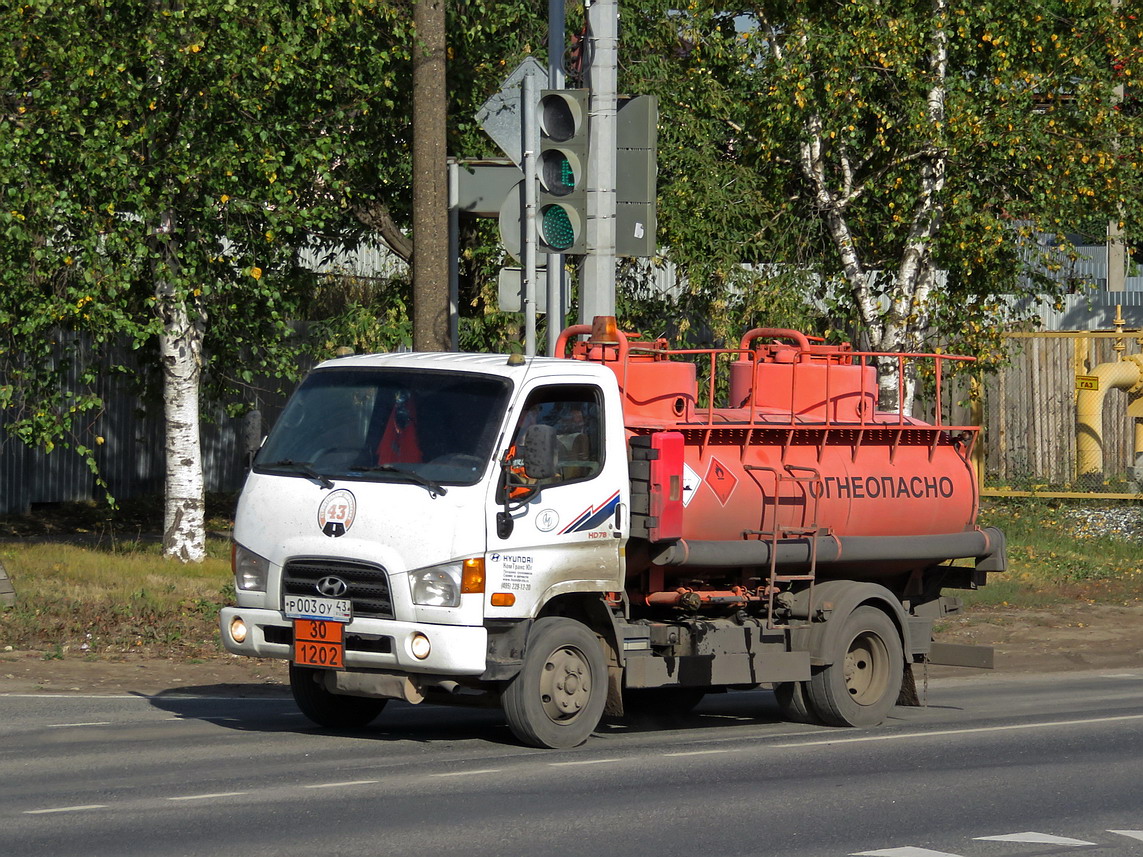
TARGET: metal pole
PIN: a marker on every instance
(529, 238)
(453, 255)
(1116, 248)
(557, 277)
(597, 289)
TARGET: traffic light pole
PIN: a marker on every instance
(597, 282)
(556, 279)
(529, 220)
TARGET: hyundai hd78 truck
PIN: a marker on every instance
(622, 525)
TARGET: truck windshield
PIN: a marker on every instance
(396, 425)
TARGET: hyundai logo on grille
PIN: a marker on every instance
(332, 587)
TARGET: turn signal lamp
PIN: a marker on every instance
(472, 575)
(605, 330)
(503, 599)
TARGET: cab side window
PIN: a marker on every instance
(576, 414)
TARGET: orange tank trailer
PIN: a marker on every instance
(793, 466)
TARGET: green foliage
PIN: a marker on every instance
(158, 155)
(154, 156)
(717, 211)
(1029, 141)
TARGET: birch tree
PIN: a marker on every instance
(933, 139)
(162, 163)
(926, 159)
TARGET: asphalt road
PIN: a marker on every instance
(992, 767)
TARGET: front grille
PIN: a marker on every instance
(368, 584)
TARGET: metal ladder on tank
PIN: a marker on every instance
(809, 477)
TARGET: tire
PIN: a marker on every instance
(861, 684)
(331, 710)
(793, 702)
(557, 698)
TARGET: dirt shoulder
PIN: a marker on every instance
(1072, 636)
(1068, 636)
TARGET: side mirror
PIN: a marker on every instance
(539, 450)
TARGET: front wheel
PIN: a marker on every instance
(330, 710)
(557, 698)
(861, 684)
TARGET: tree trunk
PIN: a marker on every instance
(892, 307)
(430, 180)
(180, 353)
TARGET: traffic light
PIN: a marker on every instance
(561, 214)
(636, 143)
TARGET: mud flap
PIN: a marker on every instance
(908, 695)
(614, 706)
(962, 655)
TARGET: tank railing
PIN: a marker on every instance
(620, 352)
(861, 359)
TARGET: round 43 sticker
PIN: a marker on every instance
(336, 513)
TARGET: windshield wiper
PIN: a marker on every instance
(411, 475)
(304, 468)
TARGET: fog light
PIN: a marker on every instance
(238, 630)
(419, 645)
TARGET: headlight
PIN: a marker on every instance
(250, 570)
(438, 586)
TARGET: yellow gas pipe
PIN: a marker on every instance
(1126, 374)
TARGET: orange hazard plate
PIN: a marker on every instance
(318, 643)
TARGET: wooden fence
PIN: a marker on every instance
(1030, 415)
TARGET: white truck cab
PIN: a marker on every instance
(388, 542)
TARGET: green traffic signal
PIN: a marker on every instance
(556, 227)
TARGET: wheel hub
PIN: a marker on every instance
(566, 684)
(865, 669)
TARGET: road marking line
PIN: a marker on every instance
(65, 809)
(586, 762)
(697, 753)
(207, 797)
(1133, 834)
(469, 773)
(183, 697)
(966, 731)
(92, 723)
(907, 851)
(347, 783)
(1031, 837)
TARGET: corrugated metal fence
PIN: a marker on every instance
(131, 458)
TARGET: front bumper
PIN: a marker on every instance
(381, 644)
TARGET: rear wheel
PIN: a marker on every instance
(557, 698)
(793, 702)
(862, 682)
(330, 710)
